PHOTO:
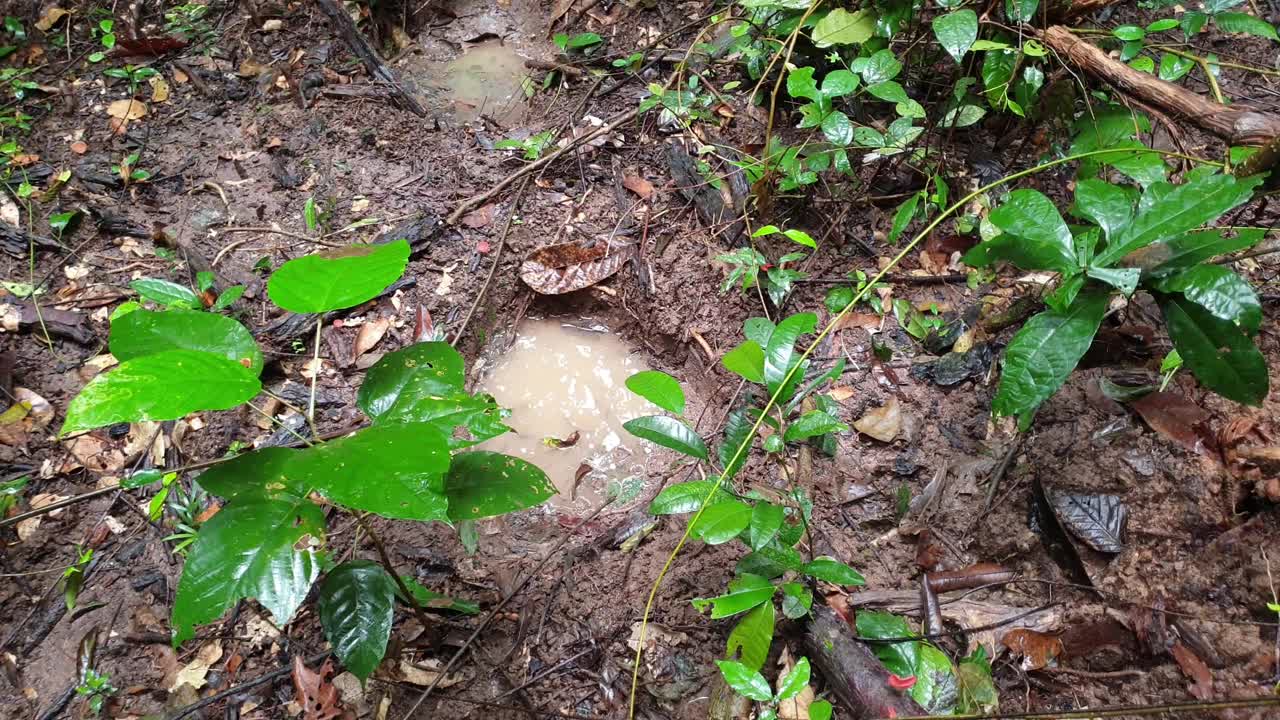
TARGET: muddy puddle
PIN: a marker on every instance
(563, 378)
(487, 78)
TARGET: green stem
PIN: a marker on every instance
(744, 446)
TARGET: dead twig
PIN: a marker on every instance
(497, 257)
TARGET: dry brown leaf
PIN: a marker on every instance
(251, 68)
(50, 18)
(317, 697)
(840, 393)
(638, 185)
(128, 109)
(1196, 671)
(1174, 416)
(368, 336)
(1038, 650)
(422, 673)
(79, 147)
(558, 269)
(28, 527)
(195, 671)
(881, 423)
(481, 217)
(159, 89)
(180, 77)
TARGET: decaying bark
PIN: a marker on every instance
(852, 671)
(1237, 124)
(347, 30)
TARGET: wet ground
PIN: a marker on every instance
(234, 155)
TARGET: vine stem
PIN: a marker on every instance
(315, 377)
(744, 446)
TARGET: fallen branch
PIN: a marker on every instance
(853, 673)
(1237, 124)
(347, 30)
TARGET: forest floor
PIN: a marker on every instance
(236, 139)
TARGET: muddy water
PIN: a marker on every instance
(486, 79)
(558, 380)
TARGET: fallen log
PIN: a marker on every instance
(1237, 124)
(852, 671)
(346, 29)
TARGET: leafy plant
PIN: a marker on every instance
(752, 685)
(267, 541)
(95, 688)
(129, 171)
(73, 576)
(751, 267)
(532, 147)
(133, 74)
(189, 20)
(1154, 240)
(580, 43)
(104, 33)
(10, 491)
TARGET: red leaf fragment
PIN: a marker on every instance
(1196, 671)
(1038, 650)
(147, 46)
(901, 683)
(1174, 416)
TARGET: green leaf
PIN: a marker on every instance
(936, 688)
(746, 360)
(837, 128)
(820, 710)
(423, 369)
(841, 27)
(1045, 351)
(759, 330)
(1021, 10)
(684, 497)
(1169, 211)
(337, 279)
(435, 601)
(396, 471)
(1161, 25)
(1234, 22)
(1034, 237)
(1129, 33)
(1123, 279)
(669, 433)
(310, 215)
(658, 388)
(745, 592)
(833, 571)
(795, 681)
(752, 636)
(357, 602)
(479, 414)
(1217, 352)
(1223, 293)
(903, 216)
(766, 520)
(977, 689)
(997, 74)
(1110, 206)
(800, 83)
(166, 293)
(144, 332)
(799, 237)
(745, 681)
(813, 424)
(165, 386)
(796, 600)
(722, 522)
(889, 91)
(133, 481)
(257, 547)
(780, 352)
(882, 65)
(1192, 248)
(227, 298)
(838, 83)
(1174, 67)
(899, 658)
(737, 432)
(956, 31)
(482, 484)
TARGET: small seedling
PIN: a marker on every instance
(129, 171)
(532, 147)
(580, 43)
(73, 576)
(133, 73)
(95, 688)
(104, 32)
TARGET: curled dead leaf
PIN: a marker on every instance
(563, 268)
(368, 336)
(882, 423)
(1196, 671)
(50, 18)
(638, 185)
(159, 89)
(315, 694)
(1038, 650)
(128, 109)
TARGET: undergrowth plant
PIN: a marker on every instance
(267, 542)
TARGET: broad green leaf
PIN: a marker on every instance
(903, 216)
(669, 433)
(1142, 166)
(766, 520)
(1236, 22)
(1129, 33)
(482, 484)
(752, 636)
(796, 600)
(396, 471)
(936, 688)
(1161, 25)
(977, 689)
(1022, 11)
(1034, 237)
(899, 658)
(1045, 351)
(746, 360)
(1106, 127)
(997, 75)
(479, 414)
(144, 332)
(780, 352)
(721, 522)
(1192, 248)
(838, 83)
(1223, 293)
(1123, 279)
(798, 237)
(167, 293)
(820, 710)
(263, 473)
(684, 497)
(745, 592)
(759, 330)
(841, 27)
(737, 431)
(357, 602)
(889, 91)
(658, 388)
(956, 31)
(256, 547)
(1169, 212)
(423, 369)
(837, 128)
(800, 83)
(882, 65)
(813, 424)
(1110, 206)
(165, 386)
(793, 682)
(833, 571)
(337, 279)
(142, 478)
(745, 681)
(1217, 352)
(771, 561)
(432, 600)
(1174, 67)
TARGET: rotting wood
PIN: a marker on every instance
(16, 242)
(853, 672)
(54, 322)
(345, 28)
(1237, 124)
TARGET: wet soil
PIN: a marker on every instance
(233, 149)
